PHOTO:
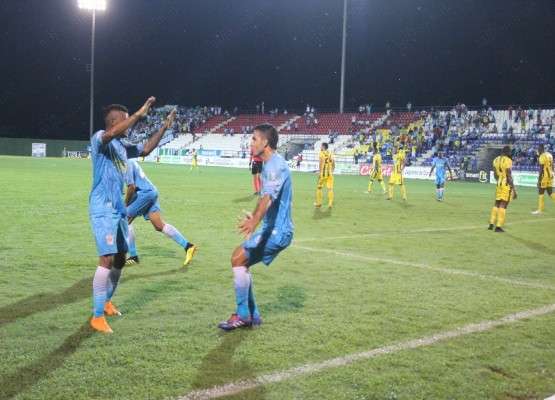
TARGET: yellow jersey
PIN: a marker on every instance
(377, 163)
(502, 164)
(398, 162)
(546, 162)
(326, 163)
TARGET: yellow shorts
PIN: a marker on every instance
(396, 179)
(503, 193)
(376, 175)
(546, 183)
(327, 181)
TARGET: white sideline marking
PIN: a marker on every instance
(416, 231)
(550, 397)
(431, 268)
(236, 387)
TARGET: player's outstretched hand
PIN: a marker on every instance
(247, 225)
(143, 111)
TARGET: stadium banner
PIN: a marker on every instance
(481, 176)
(418, 173)
(364, 169)
(520, 178)
(38, 149)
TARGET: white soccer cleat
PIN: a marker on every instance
(537, 212)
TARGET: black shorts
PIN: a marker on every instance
(256, 167)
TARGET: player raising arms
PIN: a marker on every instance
(545, 179)
(106, 207)
(376, 173)
(396, 177)
(325, 177)
(505, 190)
(142, 199)
(275, 234)
(439, 163)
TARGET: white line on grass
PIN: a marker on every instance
(416, 231)
(429, 267)
(280, 376)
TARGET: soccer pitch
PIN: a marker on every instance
(373, 300)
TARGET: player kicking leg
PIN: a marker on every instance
(275, 234)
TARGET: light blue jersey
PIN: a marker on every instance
(276, 231)
(440, 165)
(136, 176)
(145, 199)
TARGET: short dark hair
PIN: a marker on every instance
(325, 145)
(506, 151)
(114, 107)
(270, 133)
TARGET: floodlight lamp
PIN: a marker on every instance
(98, 5)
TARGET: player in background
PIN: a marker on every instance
(325, 177)
(106, 207)
(504, 191)
(396, 177)
(376, 173)
(275, 234)
(194, 160)
(440, 163)
(255, 164)
(142, 199)
(545, 178)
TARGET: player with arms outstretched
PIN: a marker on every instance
(142, 199)
(106, 207)
(545, 178)
(275, 234)
(325, 177)
(440, 163)
(376, 173)
(505, 190)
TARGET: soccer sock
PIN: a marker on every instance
(330, 198)
(438, 196)
(541, 202)
(501, 217)
(253, 308)
(441, 192)
(174, 234)
(370, 186)
(493, 215)
(382, 184)
(115, 274)
(131, 242)
(404, 192)
(100, 288)
(242, 281)
(319, 196)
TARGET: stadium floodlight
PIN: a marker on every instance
(94, 6)
(99, 5)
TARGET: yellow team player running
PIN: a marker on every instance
(327, 165)
(376, 173)
(545, 179)
(505, 190)
(396, 177)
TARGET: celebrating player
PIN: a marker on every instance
(396, 177)
(376, 173)
(142, 199)
(439, 163)
(106, 207)
(325, 177)
(505, 190)
(275, 234)
(545, 179)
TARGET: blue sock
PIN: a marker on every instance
(174, 234)
(131, 242)
(241, 278)
(253, 308)
(100, 289)
(113, 280)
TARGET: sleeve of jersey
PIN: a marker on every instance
(96, 140)
(129, 175)
(134, 150)
(273, 182)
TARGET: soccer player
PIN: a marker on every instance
(142, 199)
(439, 163)
(376, 173)
(106, 207)
(255, 164)
(194, 160)
(325, 177)
(275, 234)
(505, 190)
(545, 179)
(396, 177)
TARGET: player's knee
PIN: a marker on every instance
(238, 258)
(158, 227)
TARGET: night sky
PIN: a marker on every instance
(286, 53)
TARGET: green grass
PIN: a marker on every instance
(316, 305)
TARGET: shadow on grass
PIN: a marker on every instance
(289, 298)
(320, 214)
(12, 385)
(245, 199)
(47, 301)
(532, 245)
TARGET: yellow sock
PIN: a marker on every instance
(501, 217)
(370, 186)
(404, 192)
(330, 198)
(390, 191)
(541, 202)
(493, 215)
(383, 187)
(319, 196)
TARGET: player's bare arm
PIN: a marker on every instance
(511, 184)
(248, 225)
(155, 139)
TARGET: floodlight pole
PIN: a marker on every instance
(92, 71)
(343, 48)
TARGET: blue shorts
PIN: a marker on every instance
(110, 232)
(143, 203)
(265, 245)
(440, 180)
